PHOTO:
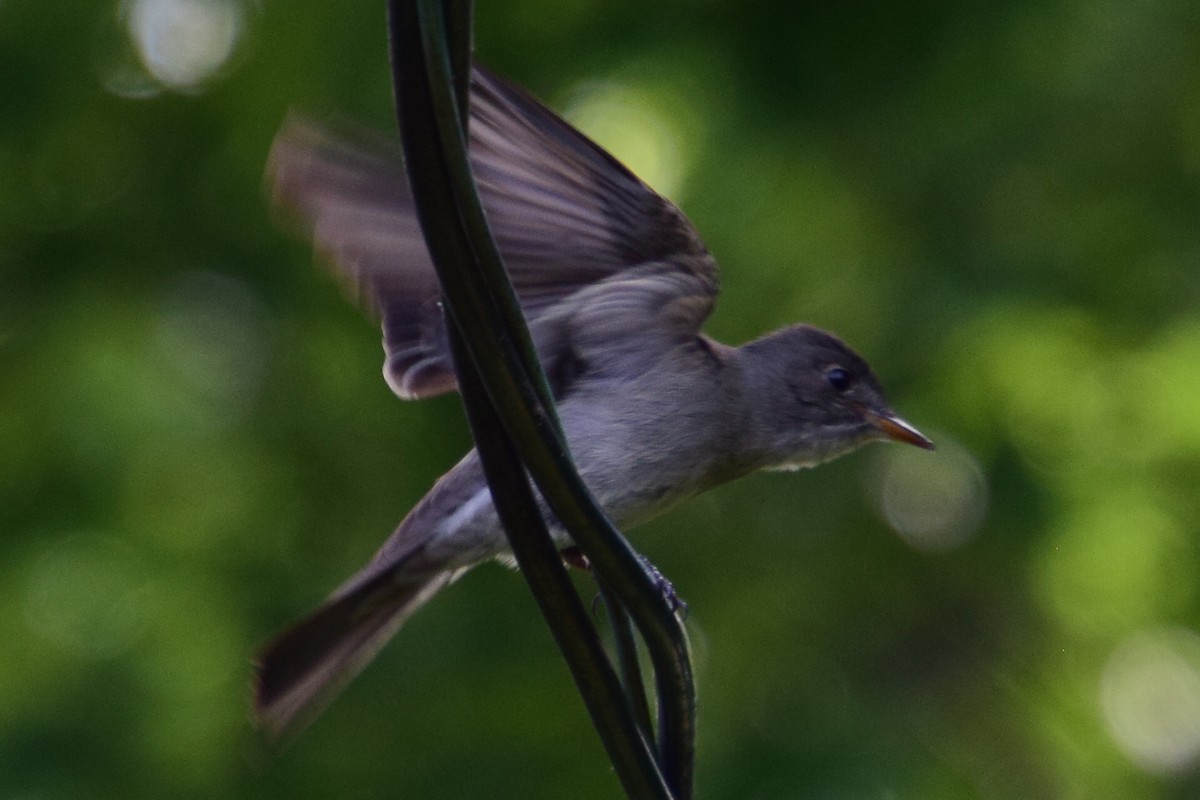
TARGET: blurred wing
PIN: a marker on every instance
(577, 230)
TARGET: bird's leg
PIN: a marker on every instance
(574, 557)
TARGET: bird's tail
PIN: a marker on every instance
(303, 669)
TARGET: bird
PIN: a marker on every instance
(615, 284)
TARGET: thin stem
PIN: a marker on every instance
(434, 140)
(625, 644)
(522, 399)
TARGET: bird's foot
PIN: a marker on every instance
(574, 557)
(666, 589)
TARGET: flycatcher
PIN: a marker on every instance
(615, 284)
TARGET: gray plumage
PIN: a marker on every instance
(615, 284)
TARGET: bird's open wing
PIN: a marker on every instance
(596, 257)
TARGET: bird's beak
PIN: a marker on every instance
(897, 429)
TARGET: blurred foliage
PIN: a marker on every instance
(998, 204)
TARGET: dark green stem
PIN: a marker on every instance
(485, 310)
(625, 643)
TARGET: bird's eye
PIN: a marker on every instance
(838, 378)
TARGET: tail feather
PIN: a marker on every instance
(303, 669)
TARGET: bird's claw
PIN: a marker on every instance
(574, 557)
(666, 589)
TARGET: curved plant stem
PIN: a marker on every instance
(513, 414)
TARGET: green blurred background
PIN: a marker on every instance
(1000, 207)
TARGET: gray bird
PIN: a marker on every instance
(616, 284)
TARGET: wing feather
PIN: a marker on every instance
(575, 228)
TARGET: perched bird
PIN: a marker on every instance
(615, 284)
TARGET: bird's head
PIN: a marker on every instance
(818, 399)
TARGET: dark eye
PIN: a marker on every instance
(838, 378)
